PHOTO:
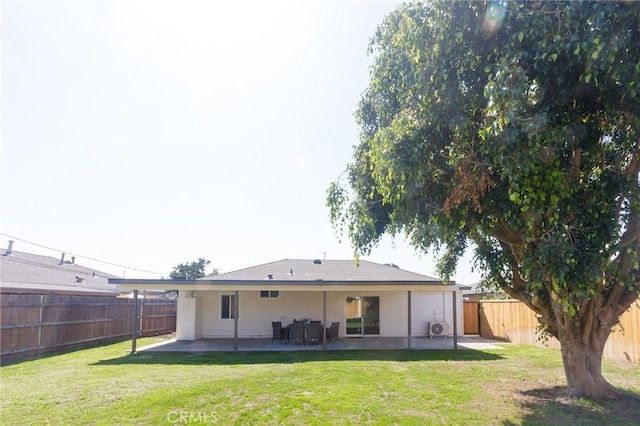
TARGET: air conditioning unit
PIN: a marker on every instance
(438, 328)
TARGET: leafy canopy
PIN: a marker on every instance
(192, 270)
(512, 125)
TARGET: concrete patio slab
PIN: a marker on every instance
(365, 343)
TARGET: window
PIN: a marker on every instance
(267, 293)
(228, 307)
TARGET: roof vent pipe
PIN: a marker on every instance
(317, 262)
(73, 260)
(9, 248)
(61, 259)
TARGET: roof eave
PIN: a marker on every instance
(284, 285)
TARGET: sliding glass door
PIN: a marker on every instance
(363, 315)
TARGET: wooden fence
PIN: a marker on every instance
(35, 324)
(513, 321)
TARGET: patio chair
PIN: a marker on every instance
(278, 331)
(297, 333)
(332, 332)
(314, 333)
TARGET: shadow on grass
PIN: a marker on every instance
(553, 406)
(279, 357)
(55, 352)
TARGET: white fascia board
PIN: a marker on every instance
(205, 285)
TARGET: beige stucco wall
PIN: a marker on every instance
(429, 307)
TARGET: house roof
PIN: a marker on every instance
(27, 272)
(325, 270)
(302, 275)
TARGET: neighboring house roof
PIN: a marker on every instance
(27, 272)
(478, 290)
(325, 270)
(470, 288)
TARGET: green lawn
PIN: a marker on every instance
(517, 385)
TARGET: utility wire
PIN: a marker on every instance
(82, 256)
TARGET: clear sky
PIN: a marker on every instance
(150, 133)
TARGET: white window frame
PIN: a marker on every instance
(229, 308)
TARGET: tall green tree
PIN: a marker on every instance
(192, 270)
(514, 126)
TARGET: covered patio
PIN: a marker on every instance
(373, 305)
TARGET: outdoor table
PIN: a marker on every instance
(305, 326)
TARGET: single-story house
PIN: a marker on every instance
(366, 298)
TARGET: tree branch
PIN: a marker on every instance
(622, 295)
(505, 234)
(575, 162)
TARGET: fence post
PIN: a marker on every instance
(106, 318)
(142, 314)
(40, 324)
(134, 322)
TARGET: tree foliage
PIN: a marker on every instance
(192, 270)
(514, 126)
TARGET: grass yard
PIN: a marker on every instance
(517, 385)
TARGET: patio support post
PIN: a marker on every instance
(324, 319)
(455, 321)
(235, 321)
(134, 322)
(409, 316)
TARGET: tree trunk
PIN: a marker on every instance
(582, 349)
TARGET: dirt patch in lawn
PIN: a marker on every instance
(550, 404)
